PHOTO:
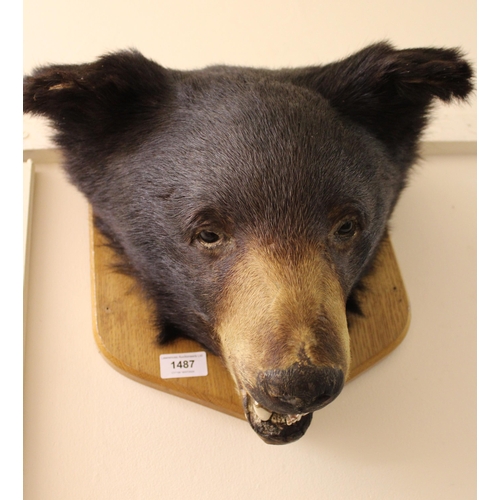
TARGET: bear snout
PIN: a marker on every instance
(299, 388)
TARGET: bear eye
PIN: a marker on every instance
(346, 230)
(208, 237)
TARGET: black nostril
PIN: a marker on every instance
(299, 388)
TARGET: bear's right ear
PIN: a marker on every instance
(90, 102)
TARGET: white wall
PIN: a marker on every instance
(403, 430)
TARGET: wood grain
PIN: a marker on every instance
(125, 333)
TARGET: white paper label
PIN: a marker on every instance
(186, 364)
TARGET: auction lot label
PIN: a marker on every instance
(186, 364)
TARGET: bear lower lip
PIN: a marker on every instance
(275, 428)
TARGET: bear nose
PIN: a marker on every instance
(299, 388)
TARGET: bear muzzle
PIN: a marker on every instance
(283, 334)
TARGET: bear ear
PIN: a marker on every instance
(90, 102)
(389, 91)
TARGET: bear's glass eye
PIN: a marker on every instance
(208, 237)
(347, 229)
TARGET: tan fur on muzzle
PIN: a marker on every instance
(279, 308)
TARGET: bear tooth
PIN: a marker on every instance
(261, 412)
(291, 419)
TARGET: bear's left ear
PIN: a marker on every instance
(389, 92)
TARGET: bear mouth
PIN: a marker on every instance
(272, 427)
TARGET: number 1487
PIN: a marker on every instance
(187, 363)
